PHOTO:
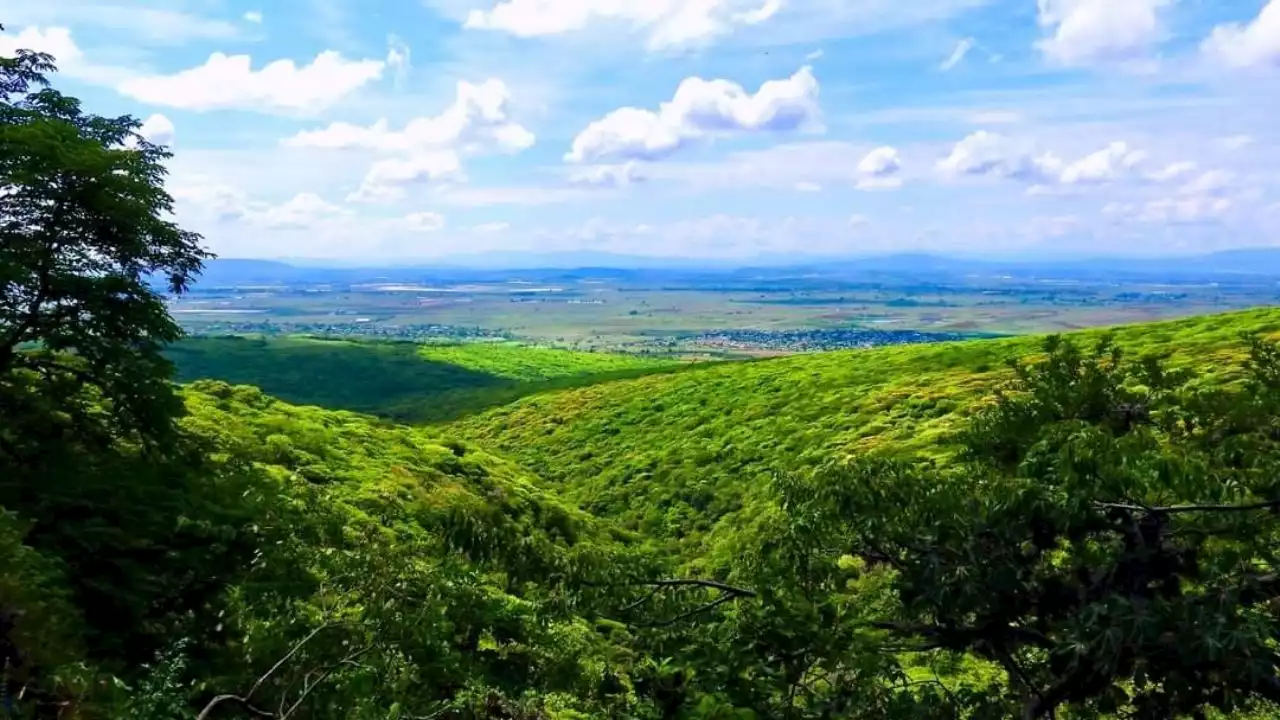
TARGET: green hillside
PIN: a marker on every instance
(398, 380)
(672, 455)
(262, 524)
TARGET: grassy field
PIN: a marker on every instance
(399, 380)
(675, 455)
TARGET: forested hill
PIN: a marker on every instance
(672, 455)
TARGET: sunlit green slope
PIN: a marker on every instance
(672, 455)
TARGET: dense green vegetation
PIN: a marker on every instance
(1083, 531)
(399, 380)
(671, 456)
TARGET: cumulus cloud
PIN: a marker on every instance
(667, 23)
(158, 129)
(607, 176)
(478, 119)
(958, 55)
(1211, 183)
(67, 55)
(879, 169)
(303, 211)
(1172, 171)
(1253, 44)
(55, 41)
(229, 81)
(388, 179)
(986, 154)
(701, 108)
(1111, 163)
(1088, 31)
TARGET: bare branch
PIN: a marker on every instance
(728, 597)
(682, 582)
(243, 700)
(1271, 505)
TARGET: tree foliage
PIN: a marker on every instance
(1108, 542)
(83, 232)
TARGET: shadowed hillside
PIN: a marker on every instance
(398, 380)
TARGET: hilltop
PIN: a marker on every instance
(671, 456)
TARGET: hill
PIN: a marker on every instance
(263, 527)
(399, 380)
(673, 456)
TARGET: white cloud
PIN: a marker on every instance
(479, 116)
(1213, 182)
(607, 176)
(253, 16)
(490, 227)
(701, 108)
(422, 222)
(55, 41)
(1172, 171)
(805, 186)
(881, 162)
(229, 81)
(303, 211)
(879, 169)
(815, 55)
(69, 58)
(957, 55)
(1111, 163)
(668, 23)
(158, 129)
(1257, 43)
(989, 154)
(859, 220)
(388, 179)
(1187, 209)
(1089, 31)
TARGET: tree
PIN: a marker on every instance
(90, 457)
(1108, 540)
(83, 235)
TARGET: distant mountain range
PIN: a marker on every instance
(241, 272)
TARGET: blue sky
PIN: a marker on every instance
(416, 129)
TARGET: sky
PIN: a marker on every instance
(397, 130)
